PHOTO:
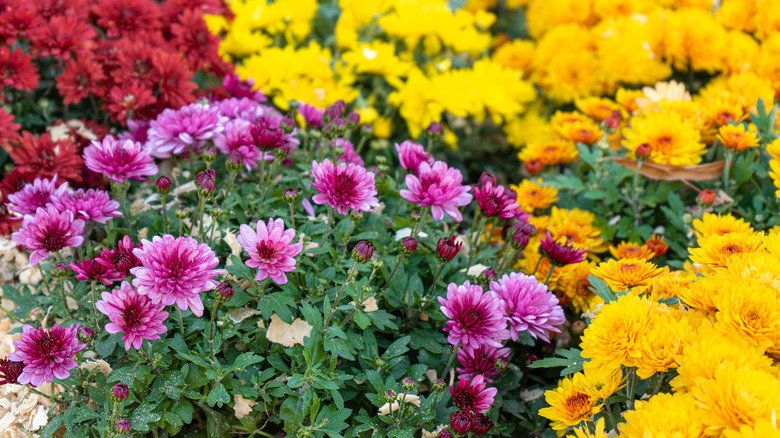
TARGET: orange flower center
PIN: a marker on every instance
(577, 402)
(629, 268)
(731, 249)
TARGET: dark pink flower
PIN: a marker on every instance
(475, 317)
(560, 254)
(439, 187)
(528, 305)
(481, 425)
(90, 205)
(350, 155)
(238, 88)
(90, 269)
(480, 361)
(411, 154)
(46, 354)
(48, 231)
(41, 193)
(311, 114)
(270, 249)
(10, 371)
(447, 248)
(344, 187)
(496, 201)
(133, 314)
(175, 270)
(471, 394)
(175, 132)
(119, 160)
(460, 421)
(237, 139)
(120, 259)
(137, 131)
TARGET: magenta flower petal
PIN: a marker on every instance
(41, 193)
(480, 361)
(270, 249)
(528, 305)
(46, 354)
(439, 187)
(119, 160)
(133, 314)
(344, 187)
(411, 155)
(472, 395)
(48, 231)
(496, 201)
(474, 317)
(174, 132)
(89, 205)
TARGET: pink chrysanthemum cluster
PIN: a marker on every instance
(270, 249)
(439, 187)
(475, 316)
(175, 132)
(496, 201)
(119, 160)
(49, 230)
(46, 354)
(41, 193)
(411, 155)
(88, 205)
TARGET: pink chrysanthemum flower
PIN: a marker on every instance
(475, 317)
(90, 269)
(90, 205)
(48, 231)
(137, 131)
(311, 114)
(496, 201)
(270, 250)
(121, 258)
(134, 314)
(175, 270)
(174, 132)
(344, 187)
(528, 305)
(350, 155)
(560, 254)
(41, 193)
(236, 137)
(243, 108)
(471, 395)
(46, 354)
(238, 88)
(480, 361)
(438, 187)
(119, 160)
(411, 154)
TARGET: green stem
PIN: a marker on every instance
(727, 170)
(229, 187)
(93, 308)
(658, 383)
(181, 324)
(213, 226)
(479, 220)
(346, 242)
(10, 315)
(335, 304)
(549, 274)
(436, 278)
(538, 262)
(395, 268)
(327, 227)
(292, 215)
(199, 213)
(64, 299)
(449, 363)
(631, 388)
(165, 215)
(426, 215)
(211, 335)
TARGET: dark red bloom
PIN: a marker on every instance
(17, 69)
(51, 8)
(46, 158)
(363, 251)
(705, 198)
(447, 248)
(10, 371)
(560, 254)
(472, 395)
(434, 130)
(206, 180)
(176, 89)
(266, 136)
(643, 151)
(409, 245)
(9, 131)
(129, 100)
(121, 259)
(15, 180)
(199, 46)
(126, 17)
(7, 224)
(80, 77)
(460, 421)
(481, 424)
(18, 23)
(63, 37)
(534, 166)
(225, 291)
(120, 392)
(90, 269)
(134, 61)
(613, 121)
(173, 8)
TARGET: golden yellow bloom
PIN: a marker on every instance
(715, 225)
(383, 127)
(667, 284)
(723, 109)
(604, 382)
(701, 293)
(751, 309)
(550, 152)
(598, 108)
(715, 250)
(377, 58)
(628, 99)
(762, 428)
(626, 273)
(562, 119)
(775, 175)
(543, 16)
(773, 149)
(738, 137)
(656, 350)
(532, 195)
(671, 140)
(570, 403)
(631, 250)
(575, 285)
(367, 115)
(584, 432)
(747, 87)
(657, 246)
(664, 415)
(575, 226)
(531, 127)
(737, 14)
(735, 397)
(581, 132)
(516, 55)
(616, 331)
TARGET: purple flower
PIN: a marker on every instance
(175, 270)
(349, 155)
(46, 354)
(174, 132)
(471, 395)
(311, 114)
(121, 258)
(238, 88)
(560, 254)
(411, 154)
(137, 131)
(270, 249)
(475, 317)
(344, 187)
(439, 187)
(119, 160)
(90, 269)
(91, 205)
(133, 314)
(496, 201)
(236, 138)
(480, 361)
(48, 231)
(528, 305)
(41, 193)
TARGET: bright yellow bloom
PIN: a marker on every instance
(747, 87)
(356, 14)
(598, 108)
(561, 120)
(531, 127)
(763, 428)
(516, 55)
(664, 415)
(715, 250)
(550, 152)
(376, 58)
(545, 15)
(532, 195)
(775, 175)
(656, 350)
(737, 14)
(571, 403)
(626, 273)
(701, 293)
(671, 140)
(773, 149)
(738, 137)
(735, 397)
(631, 250)
(575, 285)
(575, 226)
(581, 132)
(715, 225)
(667, 284)
(367, 115)
(382, 127)
(584, 432)
(685, 25)
(628, 99)
(751, 309)
(671, 91)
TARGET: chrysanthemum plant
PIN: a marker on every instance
(263, 279)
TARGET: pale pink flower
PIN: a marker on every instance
(39, 193)
(90, 205)
(439, 187)
(528, 305)
(270, 249)
(175, 132)
(411, 154)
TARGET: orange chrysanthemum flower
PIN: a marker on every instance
(626, 273)
(738, 137)
(598, 108)
(657, 246)
(532, 195)
(581, 132)
(550, 152)
(715, 250)
(630, 250)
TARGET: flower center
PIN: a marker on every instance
(577, 402)
(132, 314)
(629, 268)
(463, 399)
(47, 344)
(265, 250)
(731, 249)
(473, 317)
(53, 241)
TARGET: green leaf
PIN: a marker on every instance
(397, 348)
(218, 396)
(277, 303)
(571, 359)
(338, 347)
(335, 418)
(25, 302)
(215, 424)
(337, 399)
(128, 374)
(239, 269)
(310, 314)
(183, 408)
(601, 289)
(243, 361)
(376, 381)
(105, 346)
(404, 432)
(143, 415)
(78, 413)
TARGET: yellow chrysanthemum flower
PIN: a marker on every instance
(664, 415)
(735, 397)
(616, 331)
(656, 350)
(671, 140)
(598, 108)
(571, 403)
(626, 273)
(531, 127)
(738, 137)
(715, 225)
(762, 428)
(667, 284)
(377, 58)
(587, 132)
(701, 293)
(516, 55)
(532, 195)
(631, 250)
(715, 250)
(550, 152)
(562, 119)
(751, 309)
(775, 175)
(628, 99)
(575, 226)
(575, 285)
(584, 432)
(773, 149)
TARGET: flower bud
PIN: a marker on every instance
(282, 152)
(578, 327)
(332, 112)
(407, 384)
(439, 385)
(224, 291)
(460, 421)
(706, 198)
(486, 178)
(85, 334)
(356, 215)
(612, 122)
(353, 119)
(390, 396)
(643, 151)
(383, 169)
(123, 426)
(501, 364)
(163, 185)
(217, 212)
(409, 245)
(416, 216)
(487, 276)
(380, 159)
(445, 434)
(182, 212)
(209, 154)
(434, 131)
(447, 248)
(267, 137)
(481, 424)
(293, 105)
(687, 218)
(377, 264)
(206, 182)
(60, 270)
(363, 251)
(290, 195)
(120, 392)
(234, 161)
(287, 124)
(533, 166)
(519, 240)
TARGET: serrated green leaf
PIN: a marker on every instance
(243, 361)
(277, 303)
(143, 415)
(397, 348)
(571, 359)
(218, 396)
(601, 289)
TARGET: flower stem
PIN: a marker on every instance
(479, 220)
(292, 216)
(549, 274)
(64, 299)
(346, 242)
(436, 277)
(426, 215)
(229, 187)
(211, 335)
(327, 227)
(94, 309)
(199, 213)
(181, 324)
(631, 388)
(727, 170)
(395, 268)
(165, 215)
(538, 262)
(452, 359)
(213, 226)
(350, 278)
(658, 383)
(10, 315)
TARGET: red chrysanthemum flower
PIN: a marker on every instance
(121, 258)
(15, 180)
(17, 70)
(10, 371)
(174, 8)
(134, 62)
(176, 90)
(560, 254)
(53, 8)
(63, 37)
(7, 223)
(126, 17)
(193, 39)
(471, 394)
(9, 131)
(18, 23)
(81, 76)
(46, 158)
(131, 100)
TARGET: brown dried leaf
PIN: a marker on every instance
(668, 172)
(280, 332)
(241, 406)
